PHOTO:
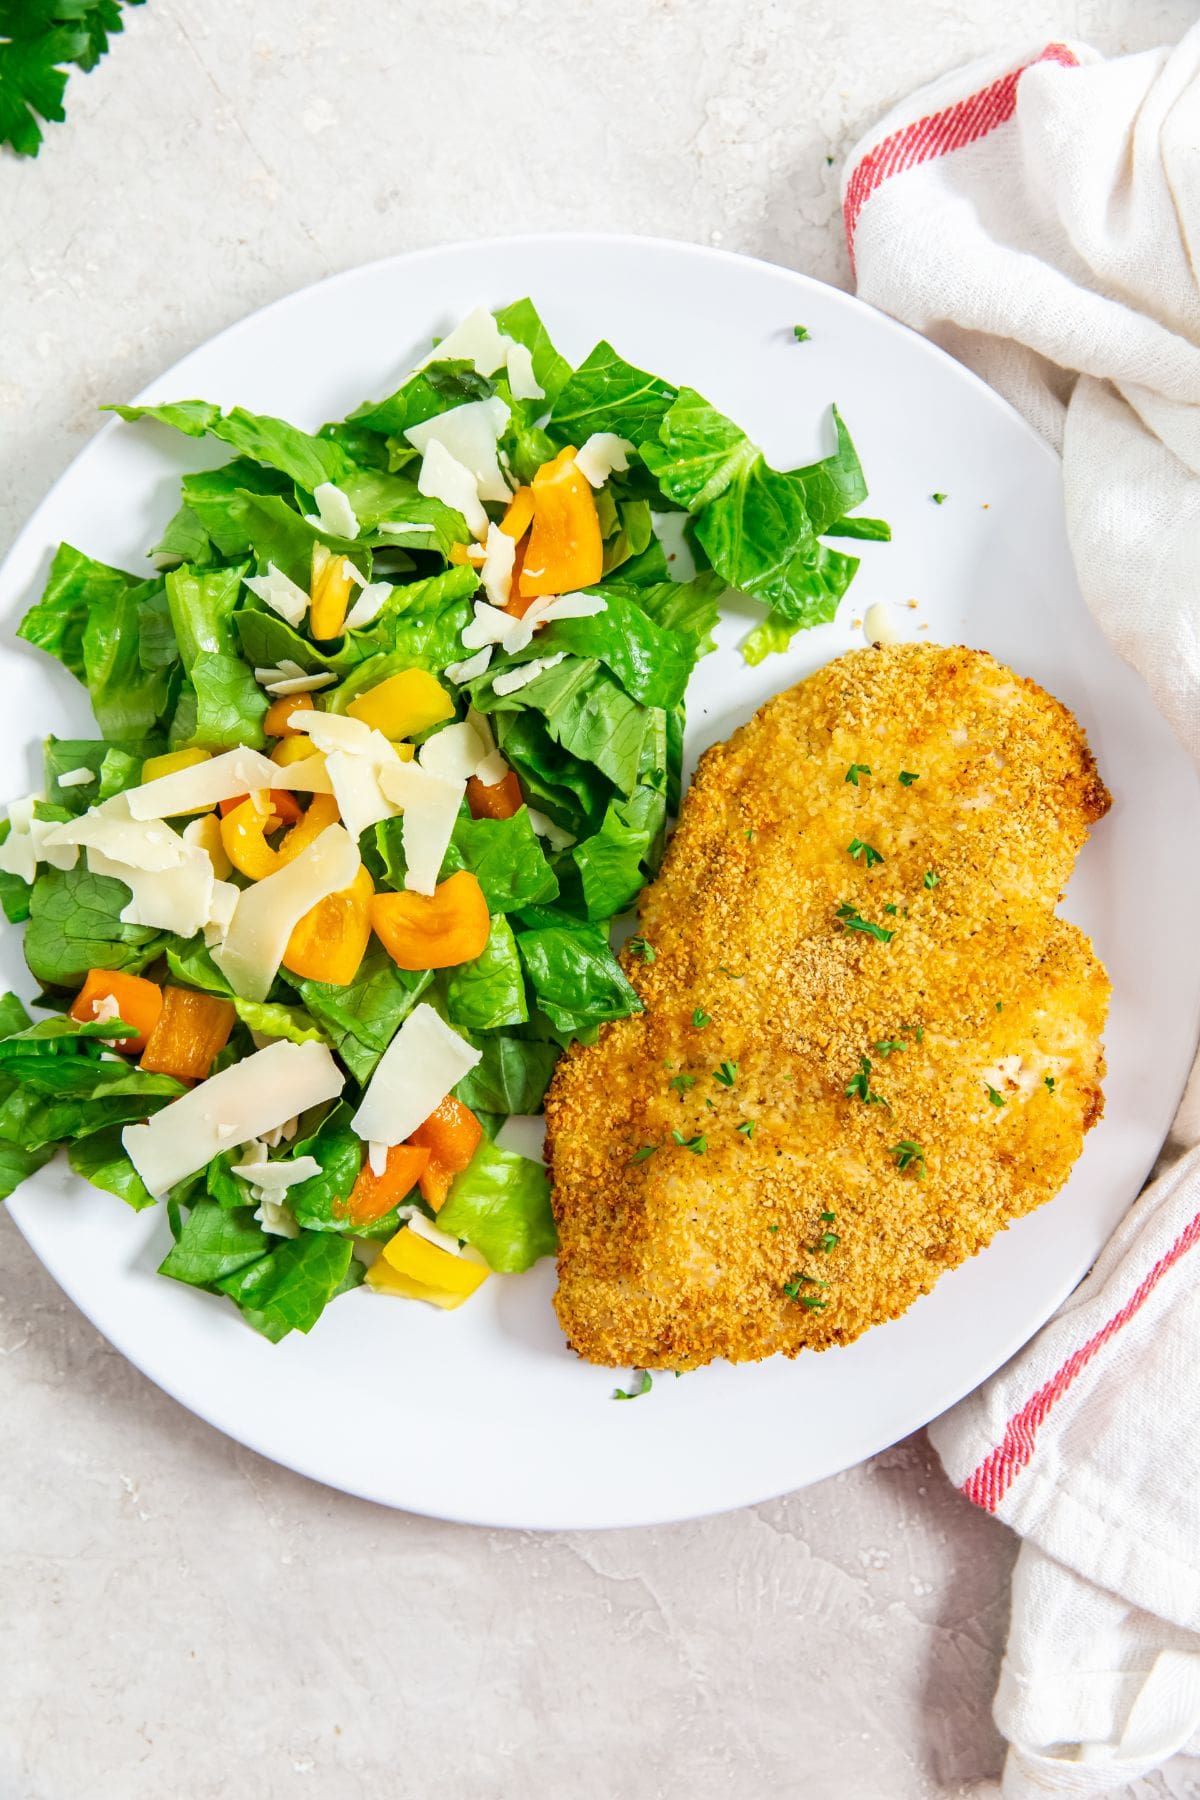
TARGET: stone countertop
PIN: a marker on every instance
(181, 1620)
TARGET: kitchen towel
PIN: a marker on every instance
(1038, 215)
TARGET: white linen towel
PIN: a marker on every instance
(1038, 216)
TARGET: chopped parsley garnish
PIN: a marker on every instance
(726, 1074)
(908, 1155)
(645, 1151)
(792, 1288)
(700, 1018)
(938, 499)
(993, 1094)
(887, 1045)
(999, 1006)
(907, 778)
(681, 1083)
(870, 856)
(859, 1087)
(722, 970)
(892, 909)
(697, 1145)
(635, 1393)
(750, 834)
(931, 878)
(1050, 1083)
(747, 1130)
(812, 1303)
(639, 947)
(800, 333)
(852, 919)
(828, 1218)
(854, 771)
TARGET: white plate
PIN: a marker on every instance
(483, 1415)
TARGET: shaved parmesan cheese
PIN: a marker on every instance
(76, 778)
(471, 666)
(377, 1155)
(496, 573)
(267, 913)
(308, 776)
(220, 912)
(493, 767)
(241, 1102)
(106, 1009)
(202, 785)
(175, 899)
(206, 832)
(270, 1178)
(298, 684)
(420, 1066)
(332, 731)
(355, 780)
(454, 753)
(335, 515)
(513, 679)
(489, 626)
(398, 525)
(555, 836)
(430, 806)
(521, 378)
(476, 339)
(879, 625)
(275, 1217)
(603, 452)
(444, 478)
(469, 434)
(569, 606)
(17, 853)
(280, 593)
(368, 606)
(419, 1225)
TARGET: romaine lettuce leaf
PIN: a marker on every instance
(585, 710)
(652, 663)
(361, 1019)
(573, 973)
(306, 460)
(87, 617)
(836, 485)
(434, 389)
(216, 1241)
(511, 1078)
(500, 1205)
(318, 1204)
(75, 926)
(488, 993)
(101, 1159)
(572, 792)
(229, 702)
(608, 394)
(521, 321)
(289, 1289)
(506, 858)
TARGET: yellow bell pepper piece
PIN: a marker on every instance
(519, 517)
(447, 1280)
(244, 837)
(322, 812)
(383, 1278)
(405, 752)
(206, 832)
(171, 763)
(293, 749)
(404, 704)
(565, 549)
(329, 591)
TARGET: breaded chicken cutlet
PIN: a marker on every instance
(867, 1041)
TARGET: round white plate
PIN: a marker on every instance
(483, 1415)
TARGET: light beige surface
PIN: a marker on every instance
(178, 1619)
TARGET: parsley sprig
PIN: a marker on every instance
(859, 1086)
(726, 1074)
(851, 919)
(645, 1382)
(869, 854)
(40, 41)
(908, 1155)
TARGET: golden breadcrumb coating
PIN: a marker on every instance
(970, 1041)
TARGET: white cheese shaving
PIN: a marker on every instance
(429, 805)
(468, 434)
(332, 731)
(177, 899)
(369, 605)
(299, 684)
(202, 785)
(496, 573)
(521, 378)
(76, 778)
(206, 833)
(476, 339)
(603, 452)
(280, 593)
(568, 606)
(555, 836)
(444, 478)
(395, 526)
(471, 666)
(377, 1155)
(275, 1217)
(492, 767)
(360, 799)
(267, 913)
(106, 1008)
(489, 626)
(334, 515)
(879, 625)
(492, 626)
(420, 1066)
(220, 912)
(513, 679)
(420, 1226)
(272, 1178)
(455, 752)
(307, 776)
(244, 1100)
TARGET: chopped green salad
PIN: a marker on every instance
(385, 742)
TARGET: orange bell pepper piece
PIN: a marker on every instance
(138, 1002)
(433, 931)
(451, 1135)
(284, 806)
(497, 800)
(191, 1032)
(565, 550)
(330, 941)
(275, 720)
(322, 812)
(329, 591)
(519, 516)
(373, 1195)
